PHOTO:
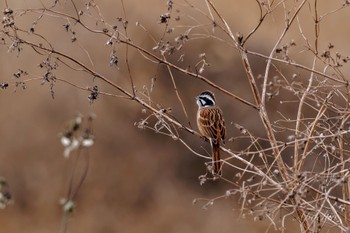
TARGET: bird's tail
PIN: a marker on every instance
(216, 159)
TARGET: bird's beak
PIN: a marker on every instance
(197, 97)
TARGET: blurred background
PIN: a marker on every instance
(138, 180)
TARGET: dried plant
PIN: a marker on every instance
(297, 168)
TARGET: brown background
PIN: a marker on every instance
(138, 180)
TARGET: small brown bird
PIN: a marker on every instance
(211, 125)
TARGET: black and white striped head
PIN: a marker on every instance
(205, 99)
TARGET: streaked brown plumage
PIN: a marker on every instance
(211, 125)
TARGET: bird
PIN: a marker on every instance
(211, 125)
